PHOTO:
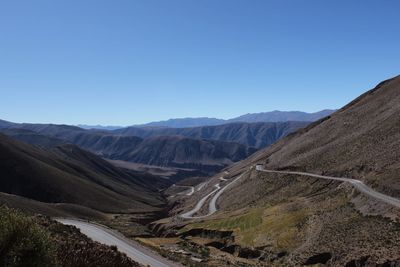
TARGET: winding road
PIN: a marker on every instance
(108, 237)
(191, 191)
(359, 185)
(199, 205)
(200, 186)
(212, 207)
(147, 257)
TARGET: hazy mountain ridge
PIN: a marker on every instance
(5, 124)
(272, 116)
(32, 137)
(184, 122)
(99, 127)
(256, 135)
(283, 116)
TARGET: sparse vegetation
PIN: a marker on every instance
(274, 223)
(192, 247)
(39, 242)
(23, 242)
(250, 220)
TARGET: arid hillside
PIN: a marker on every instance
(32, 240)
(68, 174)
(361, 140)
(270, 219)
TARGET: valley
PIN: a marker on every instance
(199, 151)
(224, 194)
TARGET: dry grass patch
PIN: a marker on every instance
(280, 226)
(283, 226)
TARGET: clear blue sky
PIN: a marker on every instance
(124, 62)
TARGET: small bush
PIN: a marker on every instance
(23, 242)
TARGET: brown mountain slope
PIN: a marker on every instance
(361, 140)
(271, 219)
(71, 175)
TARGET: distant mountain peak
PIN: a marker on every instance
(99, 127)
(184, 122)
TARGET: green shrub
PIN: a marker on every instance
(23, 242)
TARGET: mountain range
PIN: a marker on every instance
(258, 135)
(206, 149)
(203, 149)
(272, 116)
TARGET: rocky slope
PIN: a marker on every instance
(38, 241)
(289, 220)
(76, 249)
(361, 140)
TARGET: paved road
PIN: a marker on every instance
(359, 185)
(199, 205)
(130, 248)
(200, 186)
(212, 207)
(191, 191)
